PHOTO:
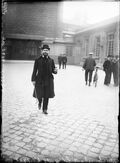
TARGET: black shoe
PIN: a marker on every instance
(89, 84)
(86, 83)
(45, 112)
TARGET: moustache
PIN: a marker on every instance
(45, 53)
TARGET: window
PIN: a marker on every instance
(69, 50)
(86, 47)
(110, 44)
(97, 46)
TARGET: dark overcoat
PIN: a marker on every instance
(59, 59)
(115, 70)
(107, 67)
(43, 76)
(89, 64)
(64, 59)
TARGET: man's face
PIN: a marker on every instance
(90, 55)
(45, 52)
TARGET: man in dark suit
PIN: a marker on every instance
(43, 79)
(107, 67)
(64, 61)
(89, 66)
(115, 69)
(60, 60)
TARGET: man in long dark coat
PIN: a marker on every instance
(60, 60)
(89, 66)
(64, 61)
(115, 70)
(43, 79)
(107, 67)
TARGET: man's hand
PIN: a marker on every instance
(33, 82)
(55, 70)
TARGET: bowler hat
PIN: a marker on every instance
(45, 47)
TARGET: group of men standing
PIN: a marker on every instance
(111, 66)
(62, 61)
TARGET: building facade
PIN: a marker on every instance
(26, 26)
(102, 39)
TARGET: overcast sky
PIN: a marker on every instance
(80, 13)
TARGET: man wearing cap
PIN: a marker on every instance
(43, 79)
(89, 66)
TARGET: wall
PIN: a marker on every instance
(32, 19)
(80, 41)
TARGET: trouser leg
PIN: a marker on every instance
(86, 75)
(115, 77)
(109, 77)
(40, 102)
(63, 65)
(90, 76)
(59, 65)
(45, 103)
(105, 80)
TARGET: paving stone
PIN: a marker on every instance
(116, 149)
(100, 141)
(90, 143)
(18, 132)
(20, 144)
(18, 137)
(105, 152)
(107, 148)
(45, 152)
(23, 159)
(26, 140)
(115, 155)
(53, 142)
(12, 131)
(21, 151)
(103, 137)
(30, 154)
(95, 150)
(76, 144)
(50, 147)
(16, 156)
(112, 144)
(6, 139)
(94, 135)
(55, 154)
(83, 150)
(112, 140)
(64, 145)
(8, 153)
(97, 145)
(92, 154)
(68, 152)
(41, 144)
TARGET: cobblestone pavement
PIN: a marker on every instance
(81, 124)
